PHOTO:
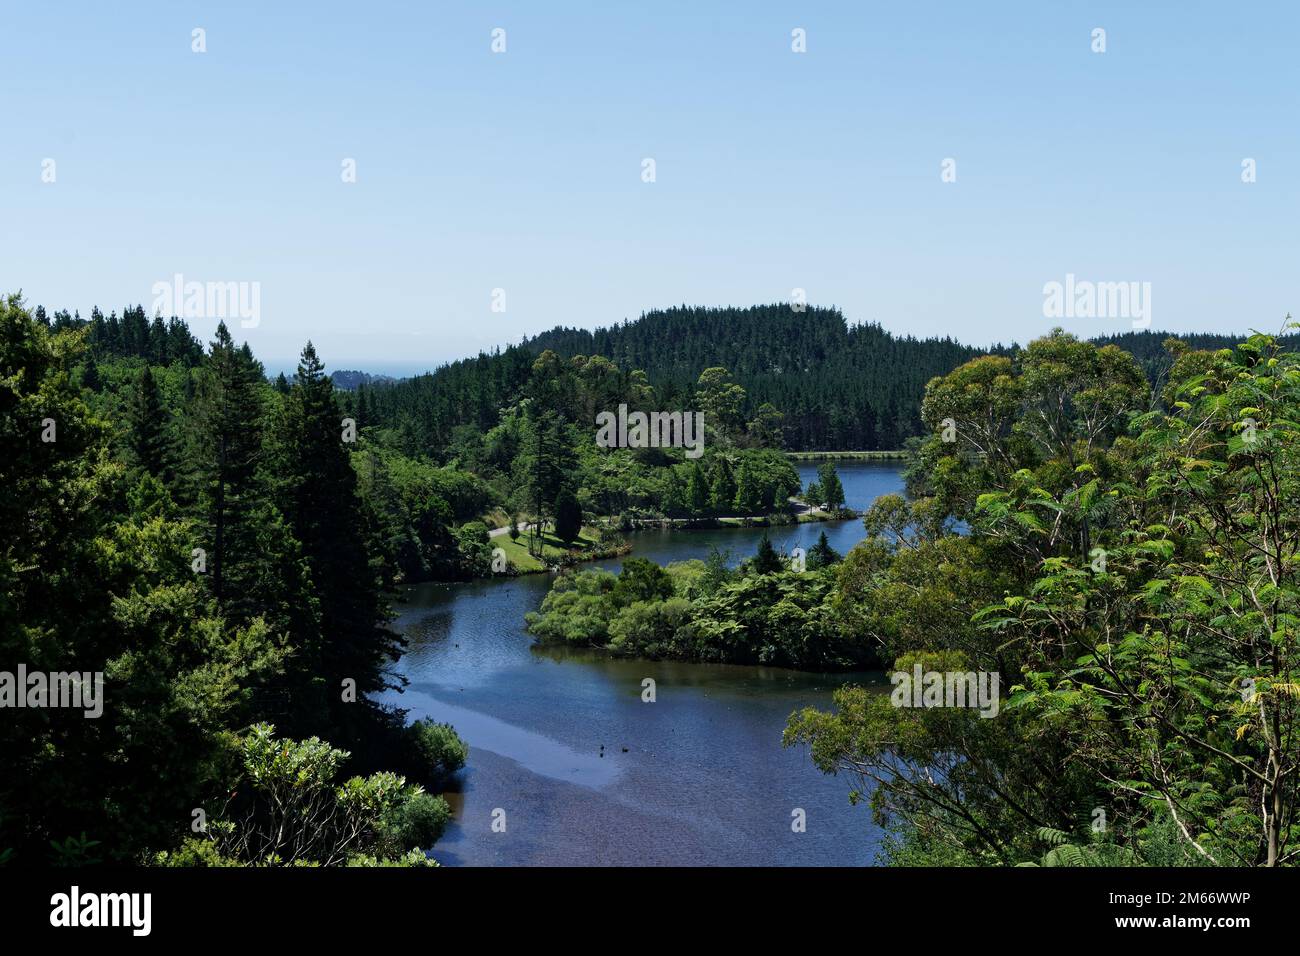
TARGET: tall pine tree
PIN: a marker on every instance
(147, 427)
(317, 492)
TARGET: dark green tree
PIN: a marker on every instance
(722, 489)
(832, 492)
(147, 427)
(89, 589)
(227, 435)
(544, 465)
(568, 516)
(821, 554)
(641, 580)
(767, 561)
(697, 490)
(317, 491)
(749, 494)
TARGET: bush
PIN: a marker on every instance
(418, 821)
(653, 629)
(474, 549)
(641, 580)
(575, 611)
(289, 810)
(436, 750)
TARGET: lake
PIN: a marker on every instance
(585, 772)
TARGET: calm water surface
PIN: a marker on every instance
(698, 777)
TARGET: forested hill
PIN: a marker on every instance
(350, 379)
(839, 386)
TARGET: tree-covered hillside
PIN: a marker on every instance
(839, 386)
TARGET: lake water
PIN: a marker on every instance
(588, 774)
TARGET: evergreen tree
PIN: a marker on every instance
(363, 405)
(832, 490)
(157, 342)
(87, 588)
(697, 490)
(821, 554)
(674, 495)
(722, 490)
(317, 493)
(241, 533)
(544, 466)
(749, 496)
(568, 516)
(813, 494)
(767, 561)
(90, 375)
(147, 427)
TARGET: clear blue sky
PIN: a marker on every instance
(775, 170)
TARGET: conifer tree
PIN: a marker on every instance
(147, 427)
(544, 465)
(90, 591)
(767, 561)
(832, 491)
(722, 490)
(749, 499)
(822, 554)
(228, 440)
(568, 516)
(697, 491)
(317, 493)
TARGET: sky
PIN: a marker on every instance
(498, 194)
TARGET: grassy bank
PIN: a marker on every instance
(554, 551)
(803, 517)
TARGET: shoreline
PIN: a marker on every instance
(898, 455)
(808, 516)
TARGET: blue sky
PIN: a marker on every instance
(774, 170)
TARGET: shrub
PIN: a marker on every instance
(436, 750)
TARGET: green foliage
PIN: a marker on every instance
(1129, 572)
(822, 555)
(568, 516)
(436, 750)
(147, 421)
(575, 611)
(1065, 852)
(766, 561)
(828, 482)
(836, 385)
(196, 536)
(474, 549)
(700, 611)
(641, 580)
(289, 810)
